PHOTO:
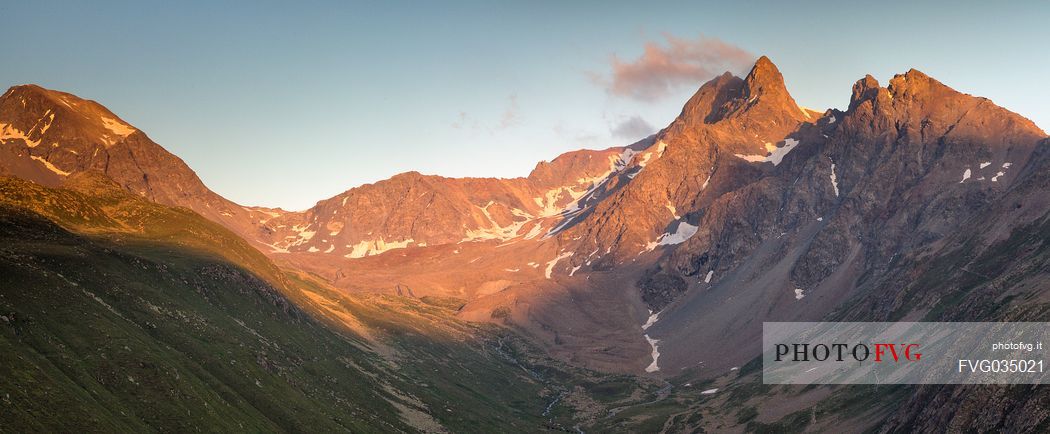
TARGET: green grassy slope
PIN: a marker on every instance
(99, 337)
(117, 314)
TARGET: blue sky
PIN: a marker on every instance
(283, 105)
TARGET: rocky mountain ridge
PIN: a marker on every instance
(745, 193)
(48, 135)
(916, 202)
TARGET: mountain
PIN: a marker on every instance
(745, 208)
(905, 167)
(745, 193)
(412, 209)
(717, 235)
(121, 314)
(46, 136)
(659, 261)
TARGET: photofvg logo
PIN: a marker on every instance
(904, 353)
(801, 352)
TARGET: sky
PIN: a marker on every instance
(276, 104)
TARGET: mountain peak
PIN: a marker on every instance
(914, 81)
(766, 80)
(864, 89)
(764, 97)
(25, 88)
(27, 93)
(36, 114)
(916, 98)
(764, 67)
(28, 88)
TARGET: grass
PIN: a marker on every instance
(124, 315)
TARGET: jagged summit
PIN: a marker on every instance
(765, 80)
(745, 116)
(915, 98)
(761, 93)
(764, 93)
(864, 89)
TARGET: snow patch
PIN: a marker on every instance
(625, 158)
(1001, 173)
(269, 213)
(553, 262)
(303, 235)
(776, 155)
(751, 158)
(535, 232)
(674, 211)
(9, 132)
(51, 120)
(660, 148)
(117, 127)
(653, 367)
(375, 247)
(709, 392)
(494, 231)
(986, 164)
(653, 318)
(50, 166)
(682, 233)
(834, 180)
(799, 293)
(966, 175)
(707, 279)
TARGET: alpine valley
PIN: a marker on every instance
(614, 290)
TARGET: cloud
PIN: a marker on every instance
(660, 70)
(632, 128)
